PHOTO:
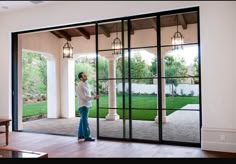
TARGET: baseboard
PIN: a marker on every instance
(223, 140)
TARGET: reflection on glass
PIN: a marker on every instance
(20, 154)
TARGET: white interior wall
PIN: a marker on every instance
(218, 78)
(217, 23)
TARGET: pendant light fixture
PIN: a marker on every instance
(67, 50)
(116, 44)
(177, 39)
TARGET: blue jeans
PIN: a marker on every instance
(83, 129)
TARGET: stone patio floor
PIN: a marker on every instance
(181, 126)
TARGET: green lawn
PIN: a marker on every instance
(145, 106)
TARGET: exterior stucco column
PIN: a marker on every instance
(112, 115)
(53, 89)
(67, 88)
(163, 83)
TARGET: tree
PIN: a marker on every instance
(195, 70)
(34, 73)
(84, 65)
(103, 68)
(119, 68)
(153, 67)
(174, 67)
(42, 65)
(86, 68)
(139, 68)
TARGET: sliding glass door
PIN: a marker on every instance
(150, 83)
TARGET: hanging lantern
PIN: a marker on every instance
(67, 50)
(116, 45)
(177, 40)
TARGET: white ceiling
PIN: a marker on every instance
(9, 6)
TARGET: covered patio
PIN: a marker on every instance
(181, 126)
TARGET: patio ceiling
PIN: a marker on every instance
(136, 24)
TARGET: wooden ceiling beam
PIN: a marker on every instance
(182, 21)
(62, 34)
(65, 35)
(131, 29)
(105, 31)
(83, 32)
(56, 34)
(154, 24)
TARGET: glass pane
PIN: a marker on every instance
(112, 109)
(143, 64)
(111, 67)
(107, 33)
(183, 126)
(103, 64)
(144, 110)
(143, 32)
(116, 89)
(111, 128)
(126, 34)
(180, 63)
(145, 129)
(187, 27)
(180, 92)
(144, 95)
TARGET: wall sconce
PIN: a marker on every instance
(67, 50)
(177, 39)
(116, 44)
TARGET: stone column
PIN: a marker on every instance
(163, 82)
(112, 115)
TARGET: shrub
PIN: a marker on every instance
(191, 93)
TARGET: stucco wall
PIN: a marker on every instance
(43, 42)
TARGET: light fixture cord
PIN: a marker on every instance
(116, 31)
(177, 23)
